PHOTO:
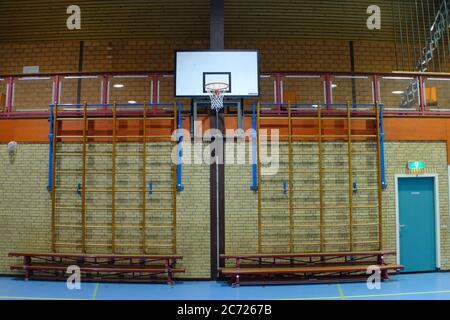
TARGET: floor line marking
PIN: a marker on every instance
(370, 295)
(341, 291)
(94, 294)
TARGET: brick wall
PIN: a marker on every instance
(55, 56)
(242, 212)
(158, 55)
(435, 156)
(242, 203)
(26, 206)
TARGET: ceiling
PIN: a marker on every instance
(24, 20)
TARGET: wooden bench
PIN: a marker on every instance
(305, 267)
(99, 267)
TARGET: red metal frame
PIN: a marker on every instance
(278, 76)
(99, 267)
(268, 264)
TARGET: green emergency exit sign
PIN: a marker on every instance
(416, 165)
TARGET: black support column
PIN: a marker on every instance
(216, 37)
(217, 173)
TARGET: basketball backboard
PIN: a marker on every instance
(238, 69)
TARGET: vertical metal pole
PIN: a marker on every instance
(258, 127)
(447, 18)
(379, 183)
(144, 180)
(437, 42)
(376, 90)
(278, 93)
(418, 30)
(179, 148)
(254, 186)
(319, 120)
(328, 98)
(113, 180)
(83, 179)
(444, 55)
(430, 21)
(413, 36)
(395, 35)
(174, 187)
(216, 24)
(51, 137)
(407, 40)
(382, 163)
(401, 33)
(57, 84)
(9, 106)
(155, 92)
(216, 42)
(217, 195)
(422, 94)
(105, 92)
(424, 32)
(53, 181)
(291, 178)
(350, 175)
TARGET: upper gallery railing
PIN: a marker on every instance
(31, 94)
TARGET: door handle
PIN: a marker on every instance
(402, 226)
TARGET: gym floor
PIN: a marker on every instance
(424, 286)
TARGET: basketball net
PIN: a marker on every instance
(215, 91)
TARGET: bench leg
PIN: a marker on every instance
(27, 274)
(385, 275)
(168, 267)
(236, 282)
(25, 263)
(170, 277)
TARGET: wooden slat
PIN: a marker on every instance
(93, 256)
(123, 268)
(307, 255)
(287, 270)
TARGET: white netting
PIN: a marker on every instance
(215, 91)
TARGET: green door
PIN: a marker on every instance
(417, 224)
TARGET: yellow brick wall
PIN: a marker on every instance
(158, 55)
(241, 202)
(25, 205)
(25, 209)
(435, 156)
(51, 56)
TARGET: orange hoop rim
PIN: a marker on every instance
(224, 87)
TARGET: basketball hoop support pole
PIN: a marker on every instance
(217, 194)
(217, 43)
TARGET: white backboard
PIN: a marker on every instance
(239, 69)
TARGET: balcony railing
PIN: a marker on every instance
(26, 95)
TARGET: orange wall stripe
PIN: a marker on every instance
(396, 128)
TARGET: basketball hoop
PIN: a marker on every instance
(215, 91)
